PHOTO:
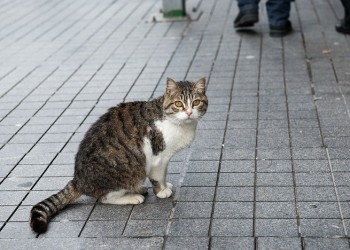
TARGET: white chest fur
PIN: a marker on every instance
(176, 137)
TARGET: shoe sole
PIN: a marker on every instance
(247, 21)
(280, 33)
(342, 30)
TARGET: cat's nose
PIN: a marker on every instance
(189, 113)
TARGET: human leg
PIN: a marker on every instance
(278, 15)
(343, 25)
(248, 13)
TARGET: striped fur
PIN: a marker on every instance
(44, 210)
(127, 144)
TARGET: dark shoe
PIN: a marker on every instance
(280, 31)
(342, 27)
(246, 18)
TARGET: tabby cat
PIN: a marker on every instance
(130, 142)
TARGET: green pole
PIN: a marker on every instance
(174, 8)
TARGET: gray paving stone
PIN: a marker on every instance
(185, 242)
(59, 170)
(35, 159)
(239, 154)
(316, 193)
(83, 243)
(238, 166)
(275, 210)
(18, 183)
(208, 154)
(232, 227)
(203, 166)
(274, 179)
(187, 210)
(311, 165)
(151, 211)
(327, 228)
(11, 229)
(52, 183)
(235, 242)
(110, 212)
(28, 171)
(200, 179)
(345, 208)
(189, 227)
(317, 210)
(313, 179)
(6, 211)
(342, 179)
(309, 154)
(5, 170)
(103, 229)
(325, 243)
(232, 210)
(276, 227)
(274, 166)
(235, 194)
(74, 213)
(145, 228)
(279, 243)
(343, 193)
(11, 197)
(274, 154)
(236, 179)
(233, 124)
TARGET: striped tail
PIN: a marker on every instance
(42, 212)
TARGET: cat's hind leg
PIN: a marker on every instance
(122, 197)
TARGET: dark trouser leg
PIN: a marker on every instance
(346, 4)
(248, 13)
(278, 12)
(248, 4)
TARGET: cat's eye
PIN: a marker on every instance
(178, 104)
(196, 102)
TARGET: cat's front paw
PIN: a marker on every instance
(166, 192)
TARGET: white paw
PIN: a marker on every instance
(166, 192)
(132, 199)
(135, 199)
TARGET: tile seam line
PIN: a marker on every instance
(71, 75)
(337, 194)
(256, 144)
(23, 99)
(327, 149)
(66, 58)
(295, 193)
(43, 22)
(45, 102)
(222, 147)
(20, 18)
(21, 27)
(347, 109)
(311, 83)
(75, 35)
(86, 58)
(57, 23)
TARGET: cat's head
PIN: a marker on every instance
(185, 102)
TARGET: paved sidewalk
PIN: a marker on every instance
(270, 166)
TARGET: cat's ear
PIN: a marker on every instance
(171, 86)
(200, 85)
